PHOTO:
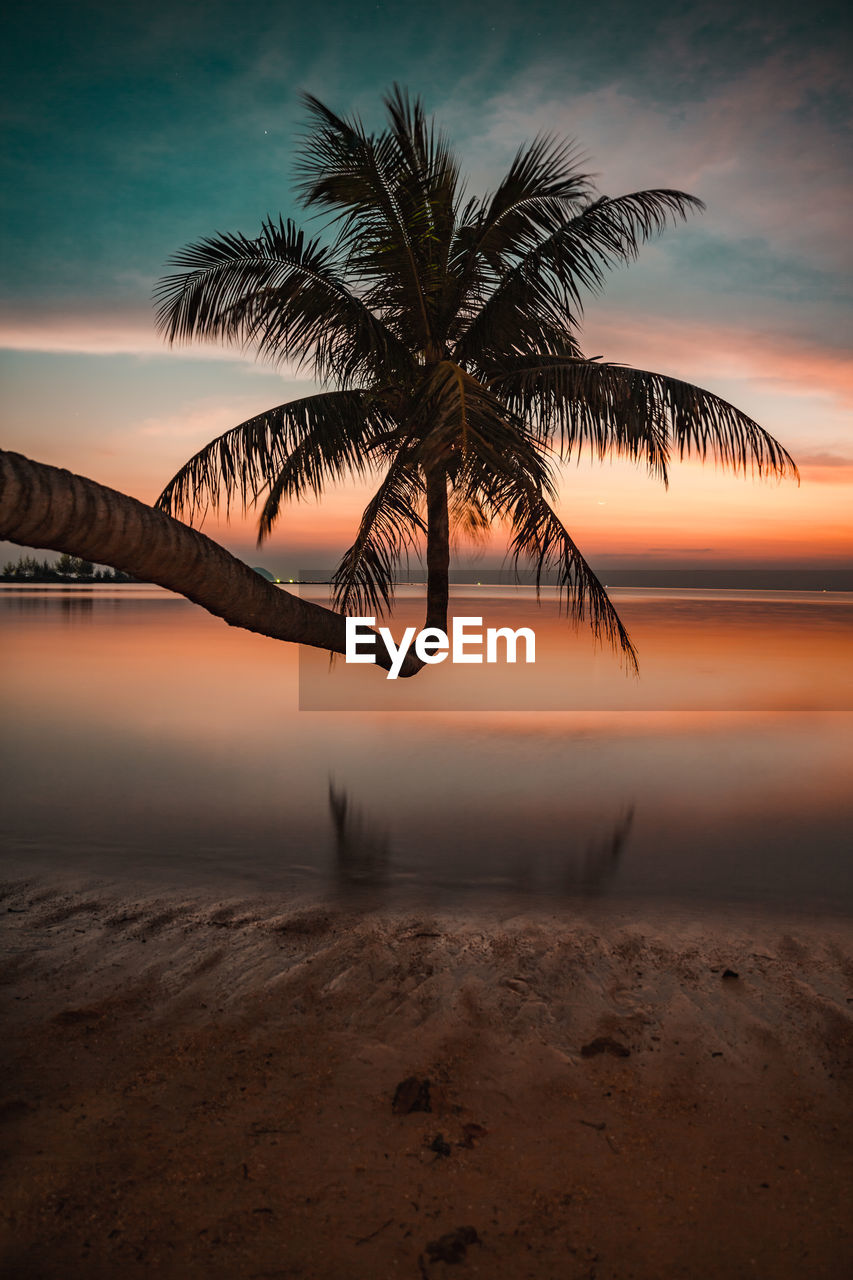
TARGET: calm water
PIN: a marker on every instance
(145, 741)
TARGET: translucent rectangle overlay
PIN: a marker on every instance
(700, 649)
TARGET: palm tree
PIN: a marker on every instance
(44, 506)
(445, 330)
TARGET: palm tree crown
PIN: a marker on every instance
(445, 328)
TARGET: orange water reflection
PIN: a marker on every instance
(145, 738)
(699, 650)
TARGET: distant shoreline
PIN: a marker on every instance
(836, 580)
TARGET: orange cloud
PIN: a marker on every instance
(697, 352)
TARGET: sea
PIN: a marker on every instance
(147, 743)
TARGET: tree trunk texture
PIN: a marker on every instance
(46, 507)
(438, 550)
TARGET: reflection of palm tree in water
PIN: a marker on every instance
(361, 848)
(71, 607)
(602, 856)
(363, 851)
(583, 868)
(77, 609)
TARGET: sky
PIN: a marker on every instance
(130, 133)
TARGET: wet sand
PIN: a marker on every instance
(198, 1087)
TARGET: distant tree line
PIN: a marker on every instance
(65, 569)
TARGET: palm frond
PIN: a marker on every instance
(554, 266)
(609, 408)
(344, 440)
(579, 405)
(365, 578)
(281, 294)
(464, 429)
(428, 175)
(429, 192)
(470, 518)
(543, 183)
(541, 539)
(338, 428)
(356, 178)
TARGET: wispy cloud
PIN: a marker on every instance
(826, 459)
(757, 148)
(826, 468)
(697, 351)
(89, 333)
(108, 332)
(194, 425)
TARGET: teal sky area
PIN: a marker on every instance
(130, 131)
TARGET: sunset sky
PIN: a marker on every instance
(131, 132)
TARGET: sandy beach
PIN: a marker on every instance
(198, 1087)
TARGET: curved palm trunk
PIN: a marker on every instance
(438, 549)
(46, 507)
